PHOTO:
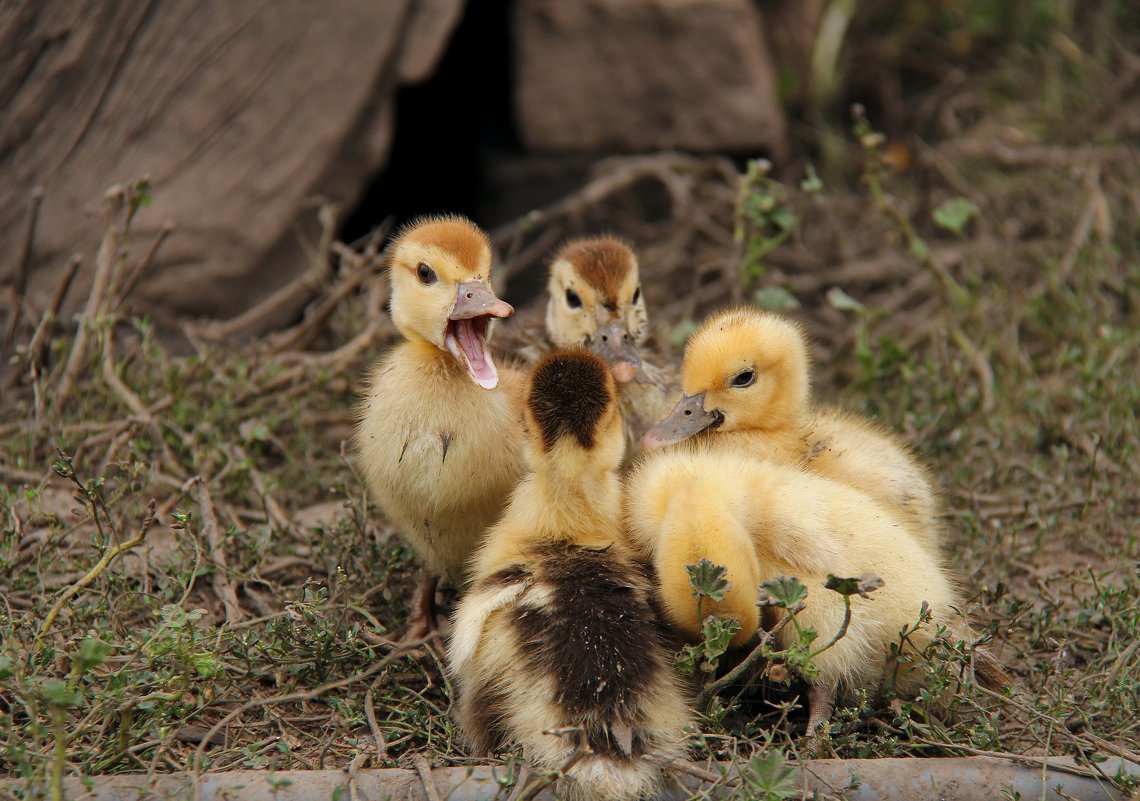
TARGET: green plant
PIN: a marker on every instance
(765, 216)
(709, 581)
(766, 777)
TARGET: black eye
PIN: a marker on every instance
(637, 294)
(744, 378)
(572, 299)
(426, 274)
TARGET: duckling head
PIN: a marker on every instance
(744, 370)
(572, 415)
(596, 302)
(441, 291)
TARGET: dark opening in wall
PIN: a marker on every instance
(446, 128)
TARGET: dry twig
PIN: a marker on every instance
(280, 306)
(423, 768)
(223, 585)
(113, 202)
(108, 556)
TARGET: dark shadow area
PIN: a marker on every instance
(446, 128)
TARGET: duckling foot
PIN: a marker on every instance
(422, 621)
(821, 703)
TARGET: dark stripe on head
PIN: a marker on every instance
(570, 393)
(596, 637)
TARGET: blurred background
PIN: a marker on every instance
(246, 118)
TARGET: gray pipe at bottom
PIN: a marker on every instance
(902, 779)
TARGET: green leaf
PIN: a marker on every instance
(55, 692)
(775, 298)
(785, 592)
(278, 782)
(208, 666)
(811, 182)
(919, 249)
(708, 580)
(838, 299)
(784, 218)
(686, 661)
(717, 634)
(681, 333)
(953, 215)
(868, 582)
(768, 776)
(91, 652)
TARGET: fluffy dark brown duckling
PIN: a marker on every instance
(557, 632)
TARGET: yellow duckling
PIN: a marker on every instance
(556, 633)
(437, 438)
(745, 383)
(761, 520)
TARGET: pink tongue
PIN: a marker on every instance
(480, 362)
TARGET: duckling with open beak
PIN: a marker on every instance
(438, 440)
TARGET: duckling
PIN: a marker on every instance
(594, 299)
(437, 436)
(745, 382)
(556, 635)
(761, 520)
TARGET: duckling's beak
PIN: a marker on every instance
(614, 344)
(687, 418)
(467, 327)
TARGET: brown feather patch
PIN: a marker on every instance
(465, 240)
(570, 393)
(598, 638)
(483, 713)
(604, 263)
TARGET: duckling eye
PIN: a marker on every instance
(637, 294)
(572, 299)
(744, 378)
(426, 274)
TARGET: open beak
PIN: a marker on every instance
(687, 418)
(467, 329)
(614, 344)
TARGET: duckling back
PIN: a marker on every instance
(556, 648)
(762, 520)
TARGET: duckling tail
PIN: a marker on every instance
(569, 664)
(602, 778)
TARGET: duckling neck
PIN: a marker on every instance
(585, 502)
(430, 358)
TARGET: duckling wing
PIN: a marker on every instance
(488, 595)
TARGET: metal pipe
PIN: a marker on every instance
(896, 779)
